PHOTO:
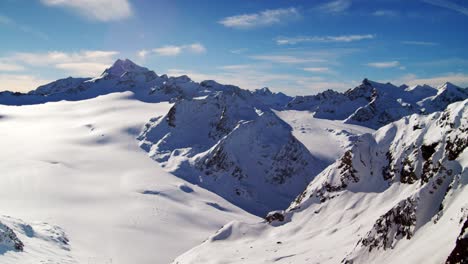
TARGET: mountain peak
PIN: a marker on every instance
(122, 66)
(447, 85)
(263, 91)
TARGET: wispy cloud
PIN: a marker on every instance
(143, 53)
(100, 10)
(261, 19)
(82, 63)
(168, 50)
(82, 68)
(239, 51)
(57, 57)
(285, 59)
(385, 13)
(384, 64)
(317, 69)
(449, 5)
(253, 78)
(236, 67)
(5, 20)
(20, 82)
(341, 38)
(173, 50)
(420, 43)
(10, 67)
(460, 79)
(446, 62)
(336, 6)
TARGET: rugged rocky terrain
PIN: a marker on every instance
(399, 191)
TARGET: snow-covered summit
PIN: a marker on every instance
(373, 104)
(123, 66)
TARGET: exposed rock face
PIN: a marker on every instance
(391, 194)
(396, 224)
(460, 252)
(241, 150)
(374, 104)
(275, 216)
(8, 238)
(67, 85)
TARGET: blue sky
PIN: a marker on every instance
(298, 47)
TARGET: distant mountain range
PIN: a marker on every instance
(370, 104)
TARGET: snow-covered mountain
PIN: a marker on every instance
(397, 195)
(146, 85)
(229, 154)
(370, 104)
(374, 104)
(234, 146)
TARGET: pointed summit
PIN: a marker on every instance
(122, 66)
(263, 91)
(448, 86)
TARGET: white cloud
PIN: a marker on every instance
(460, 79)
(254, 77)
(261, 19)
(341, 38)
(235, 67)
(317, 69)
(420, 43)
(143, 53)
(168, 50)
(101, 10)
(385, 13)
(449, 5)
(82, 68)
(384, 64)
(239, 51)
(172, 50)
(20, 83)
(82, 63)
(285, 59)
(336, 6)
(196, 48)
(10, 67)
(57, 57)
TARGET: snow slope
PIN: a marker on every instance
(78, 165)
(325, 139)
(35, 242)
(398, 195)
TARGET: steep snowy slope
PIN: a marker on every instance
(233, 145)
(78, 165)
(396, 196)
(273, 100)
(446, 94)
